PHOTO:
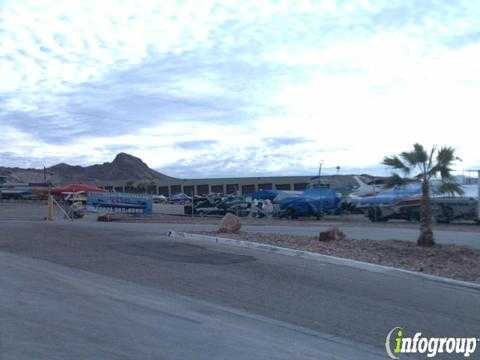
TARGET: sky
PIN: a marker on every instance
(200, 88)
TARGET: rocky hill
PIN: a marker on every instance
(123, 167)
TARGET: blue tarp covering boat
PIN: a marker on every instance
(312, 202)
(265, 194)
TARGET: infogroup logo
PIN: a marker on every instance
(397, 343)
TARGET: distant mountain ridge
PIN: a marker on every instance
(124, 167)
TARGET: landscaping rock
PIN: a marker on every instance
(332, 234)
(230, 224)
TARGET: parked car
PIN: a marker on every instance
(159, 199)
(179, 199)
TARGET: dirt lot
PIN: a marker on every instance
(173, 214)
(452, 261)
(23, 210)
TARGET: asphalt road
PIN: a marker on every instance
(468, 235)
(80, 291)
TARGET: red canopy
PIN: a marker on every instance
(73, 188)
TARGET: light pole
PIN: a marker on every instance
(50, 213)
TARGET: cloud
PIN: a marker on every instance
(463, 40)
(196, 144)
(249, 163)
(9, 159)
(285, 141)
(339, 81)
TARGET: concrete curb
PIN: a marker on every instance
(325, 258)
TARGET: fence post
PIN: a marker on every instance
(50, 208)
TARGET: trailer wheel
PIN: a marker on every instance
(291, 214)
(371, 214)
(375, 214)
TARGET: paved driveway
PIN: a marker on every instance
(123, 292)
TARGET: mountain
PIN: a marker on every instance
(123, 168)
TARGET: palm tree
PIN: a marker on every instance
(423, 166)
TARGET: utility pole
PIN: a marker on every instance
(319, 181)
(320, 169)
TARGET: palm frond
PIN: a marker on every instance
(445, 159)
(409, 158)
(396, 163)
(417, 156)
(445, 172)
(451, 187)
(446, 155)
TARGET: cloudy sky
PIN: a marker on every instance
(216, 88)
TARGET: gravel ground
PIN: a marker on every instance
(452, 261)
(22, 210)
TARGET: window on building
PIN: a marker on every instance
(232, 188)
(188, 190)
(218, 189)
(265, 186)
(163, 190)
(300, 186)
(202, 190)
(175, 189)
(248, 189)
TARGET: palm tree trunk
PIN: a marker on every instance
(426, 233)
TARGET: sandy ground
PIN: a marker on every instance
(23, 210)
(173, 214)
